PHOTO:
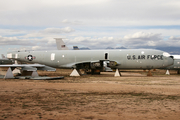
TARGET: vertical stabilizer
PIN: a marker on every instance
(60, 44)
(75, 48)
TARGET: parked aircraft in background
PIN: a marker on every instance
(4, 60)
(92, 60)
(75, 48)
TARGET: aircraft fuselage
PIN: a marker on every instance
(121, 59)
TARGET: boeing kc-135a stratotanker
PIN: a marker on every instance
(92, 60)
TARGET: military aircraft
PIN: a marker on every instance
(92, 60)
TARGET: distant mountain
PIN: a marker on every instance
(109, 48)
(171, 50)
(121, 48)
(116, 48)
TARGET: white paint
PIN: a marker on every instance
(176, 56)
(166, 54)
(74, 73)
(9, 55)
(167, 72)
(117, 73)
(16, 55)
(52, 56)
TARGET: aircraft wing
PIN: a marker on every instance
(30, 67)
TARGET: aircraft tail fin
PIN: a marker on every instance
(60, 44)
(75, 48)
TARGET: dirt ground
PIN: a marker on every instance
(134, 96)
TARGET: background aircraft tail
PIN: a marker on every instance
(75, 48)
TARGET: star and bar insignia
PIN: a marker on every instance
(30, 57)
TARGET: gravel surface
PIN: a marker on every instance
(92, 97)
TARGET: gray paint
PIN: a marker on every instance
(175, 66)
(70, 58)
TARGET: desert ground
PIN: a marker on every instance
(133, 96)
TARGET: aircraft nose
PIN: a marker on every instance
(169, 61)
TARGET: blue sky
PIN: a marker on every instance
(98, 24)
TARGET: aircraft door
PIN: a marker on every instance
(52, 56)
